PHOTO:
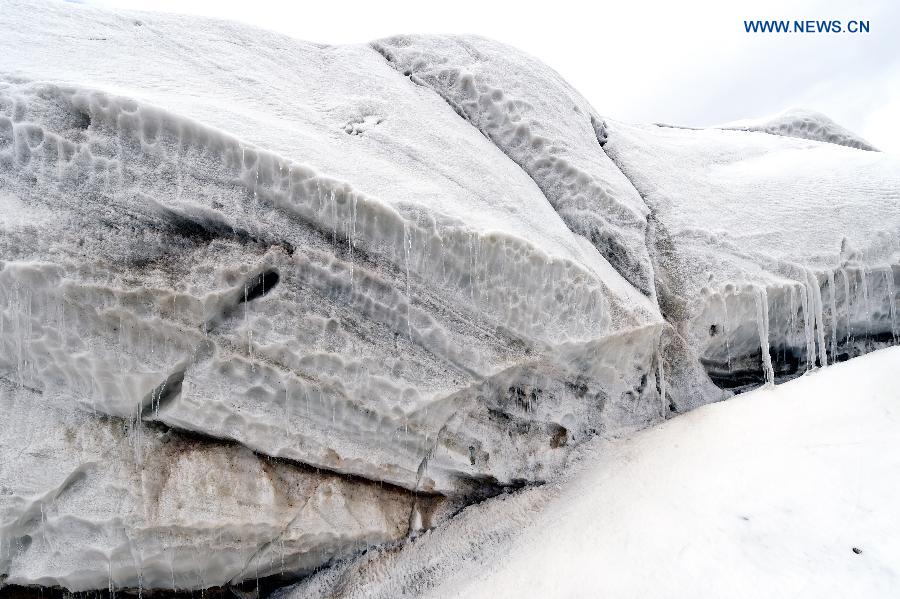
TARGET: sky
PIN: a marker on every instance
(686, 62)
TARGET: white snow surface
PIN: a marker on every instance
(802, 123)
(765, 495)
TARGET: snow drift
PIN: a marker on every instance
(367, 284)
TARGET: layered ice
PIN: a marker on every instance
(533, 116)
(773, 256)
(324, 265)
(93, 502)
(355, 280)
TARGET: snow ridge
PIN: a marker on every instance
(803, 124)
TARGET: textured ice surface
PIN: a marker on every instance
(766, 495)
(89, 502)
(772, 255)
(294, 248)
(805, 124)
(424, 265)
(546, 128)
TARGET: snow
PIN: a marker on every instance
(802, 123)
(765, 495)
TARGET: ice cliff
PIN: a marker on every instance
(266, 303)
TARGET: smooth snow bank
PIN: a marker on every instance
(766, 495)
(805, 124)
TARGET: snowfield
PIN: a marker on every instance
(267, 305)
(783, 492)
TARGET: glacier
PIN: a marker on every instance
(367, 285)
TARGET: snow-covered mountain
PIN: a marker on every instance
(265, 303)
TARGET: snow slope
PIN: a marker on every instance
(787, 491)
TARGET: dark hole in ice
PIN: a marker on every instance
(164, 393)
(261, 285)
(713, 330)
(559, 436)
(82, 120)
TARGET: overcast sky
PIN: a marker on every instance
(679, 62)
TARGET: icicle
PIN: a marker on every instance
(333, 221)
(819, 320)
(256, 183)
(351, 231)
(793, 311)
(407, 247)
(864, 279)
(808, 328)
(178, 174)
(892, 308)
(762, 323)
(849, 336)
(60, 149)
(725, 329)
(661, 379)
(831, 288)
(247, 326)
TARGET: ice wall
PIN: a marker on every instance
(291, 266)
(773, 256)
(364, 282)
(547, 128)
